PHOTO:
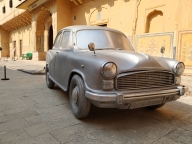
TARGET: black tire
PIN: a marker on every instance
(79, 103)
(49, 82)
(156, 106)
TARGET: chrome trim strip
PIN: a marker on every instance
(113, 97)
(100, 97)
(151, 93)
(128, 99)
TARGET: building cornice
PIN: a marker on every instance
(31, 4)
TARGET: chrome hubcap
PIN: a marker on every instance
(75, 94)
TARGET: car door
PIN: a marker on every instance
(53, 53)
(61, 61)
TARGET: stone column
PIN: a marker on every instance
(33, 37)
(54, 20)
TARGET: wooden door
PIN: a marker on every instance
(15, 49)
(20, 48)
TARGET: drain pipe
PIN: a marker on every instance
(137, 3)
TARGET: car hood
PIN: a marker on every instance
(130, 60)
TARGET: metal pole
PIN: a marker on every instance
(5, 74)
(5, 71)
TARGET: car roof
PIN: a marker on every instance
(83, 27)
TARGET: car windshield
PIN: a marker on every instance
(103, 39)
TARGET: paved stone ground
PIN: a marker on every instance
(30, 113)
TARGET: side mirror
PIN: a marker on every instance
(91, 47)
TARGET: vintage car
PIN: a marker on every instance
(99, 66)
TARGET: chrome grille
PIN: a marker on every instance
(144, 80)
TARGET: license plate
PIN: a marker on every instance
(145, 103)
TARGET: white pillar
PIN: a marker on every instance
(54, 21)
(46, 35)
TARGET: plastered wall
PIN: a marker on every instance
(4, 42)
(116, 14)
(23, 34)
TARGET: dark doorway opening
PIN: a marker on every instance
(20, 48)
(103, 25)
(14, 49)
(50, 37)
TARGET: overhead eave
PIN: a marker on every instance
(19, 21)
(25, 4)
(77, 2)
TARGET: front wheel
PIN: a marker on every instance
(156, 106)
(79, 103)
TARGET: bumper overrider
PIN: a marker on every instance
(135, 100)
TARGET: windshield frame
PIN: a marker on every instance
(81, 49)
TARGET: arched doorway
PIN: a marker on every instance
(44, 33)
(44, 21)
(50, 39)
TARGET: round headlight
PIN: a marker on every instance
(109, 70)
(179, 68)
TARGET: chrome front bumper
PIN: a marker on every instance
(123, 100)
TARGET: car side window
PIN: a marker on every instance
(66, 40)
(57, 41)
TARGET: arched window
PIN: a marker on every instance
(154, 22)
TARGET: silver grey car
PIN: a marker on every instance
(99, 66)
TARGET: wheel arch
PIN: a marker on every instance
(46, 67)
(75, 72)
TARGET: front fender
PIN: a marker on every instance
(89, 69)
(167, 62)
(78, 72)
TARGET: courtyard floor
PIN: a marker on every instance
(30, 113)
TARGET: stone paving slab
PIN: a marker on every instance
(30, 113)
(180, 136)
(11, 117)
(13, 125)
(44, 128)
(14, 137)
(42, 139)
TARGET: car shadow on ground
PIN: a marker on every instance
(169, 124)
(175, 110)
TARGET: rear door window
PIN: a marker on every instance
(66, 40)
